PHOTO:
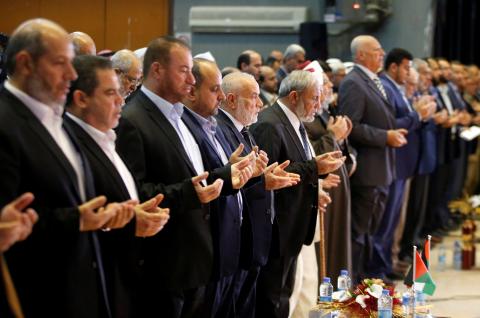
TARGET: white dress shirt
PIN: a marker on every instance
(51, 119)
(295, 122)
(106, 141)
(235, 122)
(173, 113)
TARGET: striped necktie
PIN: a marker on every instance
(380, 87)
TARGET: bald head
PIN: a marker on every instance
(83, 43)
(367, 51)
(31, 37)
(39, 59)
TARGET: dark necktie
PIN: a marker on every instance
(306, 147)
(248, 137)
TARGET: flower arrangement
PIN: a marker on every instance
(362, 302)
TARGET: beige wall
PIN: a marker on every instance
(113, 24)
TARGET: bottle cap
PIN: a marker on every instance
(326, 279)
(385, 292)
(344, 272)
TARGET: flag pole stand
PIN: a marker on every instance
(321, 218)
(413, 279)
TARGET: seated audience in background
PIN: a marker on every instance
(83, 44)
(268, 86)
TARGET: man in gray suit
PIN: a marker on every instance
(362, 98)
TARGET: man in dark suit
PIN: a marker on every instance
(164, 157)
(94, 104)
(202, 103)
(409, 117)
(238, 111)
(362, 98)
(281, 134)
(40, 155)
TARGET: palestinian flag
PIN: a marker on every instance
(426, 253)
(423, 280)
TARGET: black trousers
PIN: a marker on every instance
(368, 207)
(188, 303)
(275, 286)
(416, 213)
(245, 292)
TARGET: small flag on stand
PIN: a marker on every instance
(423, 280)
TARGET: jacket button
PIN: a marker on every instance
(94, 265)
(141, 262)
(269, 211)
(207, 216)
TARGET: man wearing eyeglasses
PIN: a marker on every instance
(128, 69)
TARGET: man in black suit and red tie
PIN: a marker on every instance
(164, 157)
(281, 134)
(41, 155)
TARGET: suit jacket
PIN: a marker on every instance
(295, 207)
(225, 210)
(257, 225)
(427, 161)
(120, 247)
(154, 153)
(56, 254)
(372, 115)
(408, 155)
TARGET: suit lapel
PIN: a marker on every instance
(234, 132)
(97, 152)
(375, 89)
(293, 134)
(159, 119)
(45, 137)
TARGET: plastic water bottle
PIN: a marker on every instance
(442, 258)
(420, 299)
(457, 255)
(385, 305)
(408, 303)
(344, 282)
(326, 290)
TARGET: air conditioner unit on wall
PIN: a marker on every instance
(243, 19)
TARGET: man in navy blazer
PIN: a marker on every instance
(202, 104)
(409, 117)
(238, 111)
(363, 99)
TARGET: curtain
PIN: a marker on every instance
(457, 30)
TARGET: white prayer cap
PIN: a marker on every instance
(348, 66)
(140, 53)
(335, 64)
(206, 56)
(316, 69)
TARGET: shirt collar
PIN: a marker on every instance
(401, 88)
(292, 117)
(103, 139)
(369, 73)
(209, 124)
(40, 110)
(238, 125)
(169, 110)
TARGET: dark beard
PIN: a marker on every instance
(442, 80)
